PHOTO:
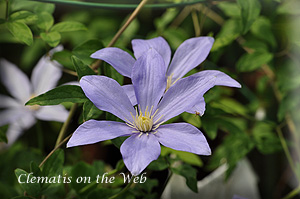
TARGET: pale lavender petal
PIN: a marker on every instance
(8, 102)
(188, 55)
(222, 79)
(129, 90)
(140, 46)
(45, 75)
(183, 137)
(52, 113)
(117, 58)
(11, 115)
(149, 80)
(75, 83)
(15, 81)
(16, 129)
(139, 151)
(183, 95)
(107, 95)
(198, 108)
(93, 131)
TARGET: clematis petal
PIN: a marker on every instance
(52, 113)
(93, 131)
(198, 107)
(140, 46)
(129, 90)
(222, 79)
(16, 129)
(117, 58)
(45, 75)
(11, 115)
(8, 102)
(183, 95)
(139, 151)
(148, 79)
(107, 95)
(188, 55)
(183, 137)
(9, 73)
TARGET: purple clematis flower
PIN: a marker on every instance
(189, 55)
(144, 124)
(44, 77)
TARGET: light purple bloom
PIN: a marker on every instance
(144, 124)
(189, 55)
(44, 77)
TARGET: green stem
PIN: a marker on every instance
(120, 6)
(293, 193)
(122, 29)
(196, 23)
(123, 190)
(161, 191)
(286, 150)
(7, 10)
(65, 125)
(55, 148)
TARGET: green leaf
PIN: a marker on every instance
(32, 189)
(66, 93)
(45, 21)
(231, 106)
(250, 62)
(255, 44)
(234, 148)
(186, 157)
(291, 7)
(44, 7)
(112, 73)
(230, 9)
(3, 130)
(68, 26)
(230, 31)
(90, 111)
(193, 119)
(159, 164)
(64, 58)
(82, 174)
(20, 31)
(175, 36)
(162, 22)
(81, 68)
(52, 38)
(190, 174)
(262, 29)
(266, 139)
(250, 10)
(54, 165)
(35, 169)
(24, 17)
(289, 103)
(118, 141)
(84, 50)
(210, 126)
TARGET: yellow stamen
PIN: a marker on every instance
(143, 122)
(169, 81)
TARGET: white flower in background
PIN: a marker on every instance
(13, 111)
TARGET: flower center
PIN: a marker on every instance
(33, 107)
(143, 122)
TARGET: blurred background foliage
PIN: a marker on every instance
(256, 42)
